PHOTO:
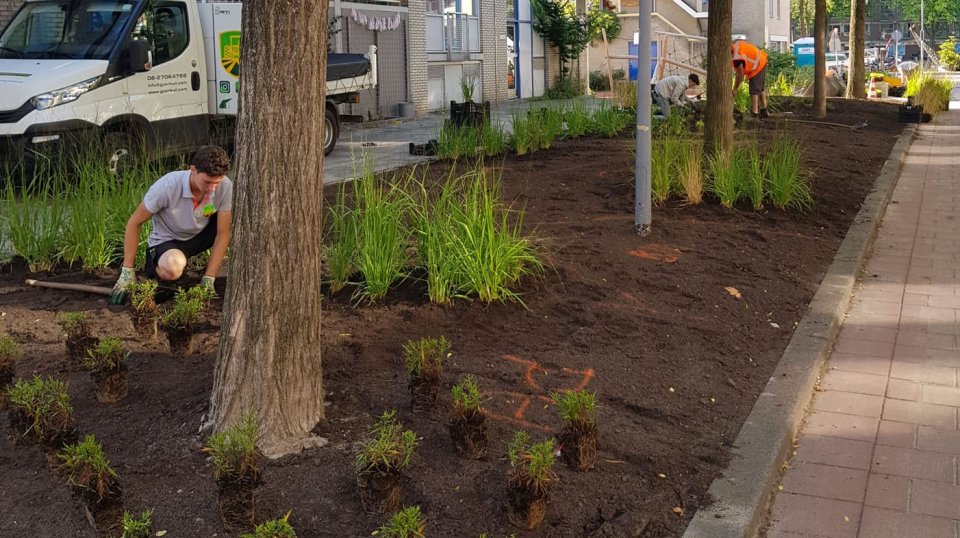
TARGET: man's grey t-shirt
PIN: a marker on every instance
(171, 202)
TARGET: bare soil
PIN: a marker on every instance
(676, 360)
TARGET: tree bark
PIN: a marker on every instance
(856, 74)
(718, 123)
(820, 60)
(269, 359)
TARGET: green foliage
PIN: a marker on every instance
(781, 86)
(234, 451)
(137, 527)
(274, 528)
(142, 296)
(741, 102)
(577, 119)
(933, 94)
(787, 187)
(493, 139)
(626, 95)
(754, 176)
(10, 352)
(466, 396)
(779, 62)
(382, 234)
(456, 142)
(87, 468)
(578, 407)
(690, 170)
(599, 81)
(107, 356)
(532, 463)
(665, 156)
(552, 122)
(600, 18)
(725, 173)
(949, 58)
(45, 404)
(389, 447)
(802, 13)
(407, 523)
(185, 311)
(468, 84)
(425, 354)
(341, 246)
(560, 24)
(564, 87)
(73, 323)
(527, 133)
(34, 227)
(608, 121)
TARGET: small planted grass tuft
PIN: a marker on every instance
(274, 528)
(578, 439)
(529, 480)
(754, 178)
(88, 471)
(180, 319)
(146, 313)
(468, 427)
(725, 177)
(577, 120)
(690, 168)
(41, 410)
(458, 141)
(407, 523)
(137, 526)
(787, 185)
(381, 463)
(423, 360)
(527, 133)
(107, 365)
(237, 463)
(79, 340)
(608, 121)
(341, 246)
(382, 232)
(10, 353)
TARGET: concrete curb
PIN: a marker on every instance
(741, 494)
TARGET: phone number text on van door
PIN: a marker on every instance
(167, 83)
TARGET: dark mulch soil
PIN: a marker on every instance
(676, 361)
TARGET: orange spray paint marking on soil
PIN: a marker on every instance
(657, 253)
(516, 406)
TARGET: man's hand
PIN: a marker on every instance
(207, 281)
(122, 287)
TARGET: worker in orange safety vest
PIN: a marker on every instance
(751, 63)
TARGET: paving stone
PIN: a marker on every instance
(881, 523)
(924, 373)
(835, 451)
(914, 463)
(920, 413)
(888, 491)
(835, 401)
(825, 481)
(823, 424)
(946, 441)
(859, 363)
(827, 518)
(857, 382)
(937, 394)
(901, 434)
(901, 389)
(935, 499)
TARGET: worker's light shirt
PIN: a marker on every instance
(671, 88)
(171, 202)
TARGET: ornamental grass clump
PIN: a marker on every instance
(578, 439)
(88, 472)
(10, 353)
(423, 360)
(107, 363)
(493, 139)
(41, 410)
(663, 172)
(754, 177)
(237, 463)
(529, 480)
(79, 339)
(435, 218)
(527, 133)
(137, 526)
(343, 235)
(458, 141)
(382, 234)
(381, 462)
(725, 179)
(577, 120)
(274, 528)
(551, 119)
(787, 185)
(690, 170)
(608, 121)
(407, 523)
(146, 315)
(180, 320)
(34, 226)
(468, 426)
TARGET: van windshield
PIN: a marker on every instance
(75, 29)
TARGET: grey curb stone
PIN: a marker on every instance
(741, 494)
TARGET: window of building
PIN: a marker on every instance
(467, 7)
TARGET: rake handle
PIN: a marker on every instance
(70, 287)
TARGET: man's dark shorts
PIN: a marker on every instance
(757, 82)
(191, 247)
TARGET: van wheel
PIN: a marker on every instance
(122, 151)
(331, 131)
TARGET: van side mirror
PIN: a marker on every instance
(140, 55)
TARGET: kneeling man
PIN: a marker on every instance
(191, 213)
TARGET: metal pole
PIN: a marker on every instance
(923, 39)
(642, 206)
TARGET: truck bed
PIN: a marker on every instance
(343, 65)
(351, 73)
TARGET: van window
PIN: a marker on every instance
(83, 29)
(164, 26)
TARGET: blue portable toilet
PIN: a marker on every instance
(803, 51)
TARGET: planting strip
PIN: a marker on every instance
(741, 494)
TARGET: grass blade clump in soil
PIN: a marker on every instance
(10, 353)
(468, 427)
(665, 156)
(423, 360)
(435, 220)
(578, 439)
(137, 527)
(753, 173)
(577, 120)
(383, 235)
(786, 182)
(236, 469)
(34, 227)
(88, 471)
(343, 235)
(458, 141)
(381, 462)
(494, 139)
(725, 174)
(79, 340)
(41, 410)
(181, 318)
(107, 363)
(529, 480)
(275, 528)
(690, 169)
(407, 523)
(527, 133)
(146, 314)
(552, 121)
(608, 121)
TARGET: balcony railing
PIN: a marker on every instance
(453, 33)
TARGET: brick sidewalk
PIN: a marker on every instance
(878, 454)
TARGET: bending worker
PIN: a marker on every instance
(672, 90)
(191, 213)
(751, 63)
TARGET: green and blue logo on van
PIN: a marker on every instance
(224, 103)
(230, 52)
(224, 86)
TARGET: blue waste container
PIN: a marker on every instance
(632, 50)
(803, 51)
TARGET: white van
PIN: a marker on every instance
(142, 77)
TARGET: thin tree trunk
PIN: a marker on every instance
(718, 123)
(856, 74)
(820, 59)
(269, 360)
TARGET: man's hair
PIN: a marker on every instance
(694, 79)
(211, 160)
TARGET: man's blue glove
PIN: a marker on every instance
(122, 287)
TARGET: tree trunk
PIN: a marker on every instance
(718, 123)
(820, 60)
(269, 360)
(856, 74)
